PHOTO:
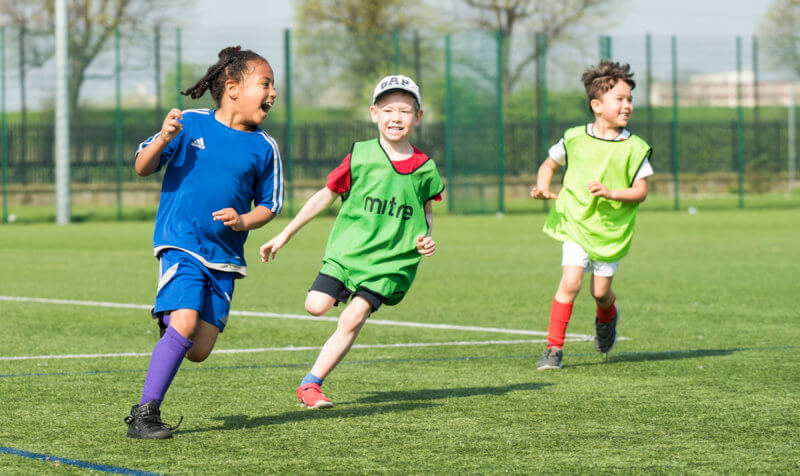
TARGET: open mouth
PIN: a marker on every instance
(266, 107)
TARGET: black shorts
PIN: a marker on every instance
(336, 289)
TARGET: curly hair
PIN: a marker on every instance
(232, 64)
(600, 79)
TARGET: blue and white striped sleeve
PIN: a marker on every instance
(168, 152)
(270, 186)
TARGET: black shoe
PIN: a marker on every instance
(159, 317)
(145, 422)
(605, 335)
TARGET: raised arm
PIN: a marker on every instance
(147, 159)
(318, 202)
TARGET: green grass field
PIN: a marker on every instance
(705, 381)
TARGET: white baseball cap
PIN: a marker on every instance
(396, 82)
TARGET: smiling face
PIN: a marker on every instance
(396, 115)
(614, 108)
(253, 97)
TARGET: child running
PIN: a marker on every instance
(218, 163)
(604, 181)
(381, 232)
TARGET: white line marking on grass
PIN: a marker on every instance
(291, 348)
(380, 322)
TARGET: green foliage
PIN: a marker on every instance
(705, 380)
(521, 106)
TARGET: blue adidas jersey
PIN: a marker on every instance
(210, 166)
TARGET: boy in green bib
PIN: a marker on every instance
(381, 232)
(604, 181)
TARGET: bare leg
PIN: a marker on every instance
(350, 322)
(204, 339)
(601, 290)
(570, 285)
(203, 335)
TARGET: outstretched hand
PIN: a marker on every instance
(231, 218)
(540, 194)
(270, 248)
(426, 246)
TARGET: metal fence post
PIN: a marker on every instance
(541, 85)
(739, 122)
(501, 168)
(62, 116)
(3, 130)
(448, 126)
(648, 85)
(605, 47)
(396, 48)
(756, 98)
(23, 95)
(118, 118)
(675, 152)
(289, 152)
(791, 139)
(157, 56)
(178, 68)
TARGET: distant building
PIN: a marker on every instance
(721, 90)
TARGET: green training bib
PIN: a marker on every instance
(373, 240)
(604, 228)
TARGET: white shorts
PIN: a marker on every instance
(573, 254)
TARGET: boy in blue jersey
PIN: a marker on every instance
(219, 162)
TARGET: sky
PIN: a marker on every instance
(692, 17)
(211, 24)
(638, 17)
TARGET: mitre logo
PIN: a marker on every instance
(388, 207)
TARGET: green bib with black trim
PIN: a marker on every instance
(604, 228)
(373, 241)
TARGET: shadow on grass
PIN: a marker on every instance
(239, 422)
(399, 401)
(438, 394)
(656, 355)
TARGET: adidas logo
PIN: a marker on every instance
(199, 143)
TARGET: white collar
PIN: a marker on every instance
(623, 134)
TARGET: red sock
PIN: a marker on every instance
(604, 316)
(559, 318)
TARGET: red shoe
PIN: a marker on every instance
(311, 396)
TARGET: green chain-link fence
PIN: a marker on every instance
(717, 111)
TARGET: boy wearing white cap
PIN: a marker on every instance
(382, 230)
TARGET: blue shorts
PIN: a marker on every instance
(185, 283)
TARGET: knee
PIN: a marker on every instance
(317, 304)
(569, 289)
(600, 294)
(315, 308)
(197, 355)
(602, 291)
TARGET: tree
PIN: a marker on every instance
(781, 27)
(92, 24)
(353, 39)
(557, 20)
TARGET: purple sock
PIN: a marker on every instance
(164, 363)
